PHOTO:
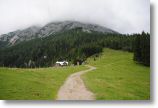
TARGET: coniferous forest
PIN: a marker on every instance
(73, 45)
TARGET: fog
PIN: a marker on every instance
(124, 16)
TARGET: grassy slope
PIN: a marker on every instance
(118, 77)
(32, 84)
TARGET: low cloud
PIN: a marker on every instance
(124, 16)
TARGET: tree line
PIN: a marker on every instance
(73, 45)
(142, 48)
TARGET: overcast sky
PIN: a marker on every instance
(124, 16)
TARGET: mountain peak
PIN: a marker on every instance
(51, 28)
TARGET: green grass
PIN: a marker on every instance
(118, 77)
(33, 84)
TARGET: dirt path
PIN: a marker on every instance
(74, 88)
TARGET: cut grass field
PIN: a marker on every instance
(33, 84)
(118, 77)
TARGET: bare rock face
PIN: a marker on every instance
(20, 35)
(51, 28)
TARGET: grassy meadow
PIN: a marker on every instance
(118, 77)
(33, 84)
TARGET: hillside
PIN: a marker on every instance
(118, 77)
(68, 40)
(71, 45)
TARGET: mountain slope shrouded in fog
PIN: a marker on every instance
(71, 41)
(71, 45)
(51, 28)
